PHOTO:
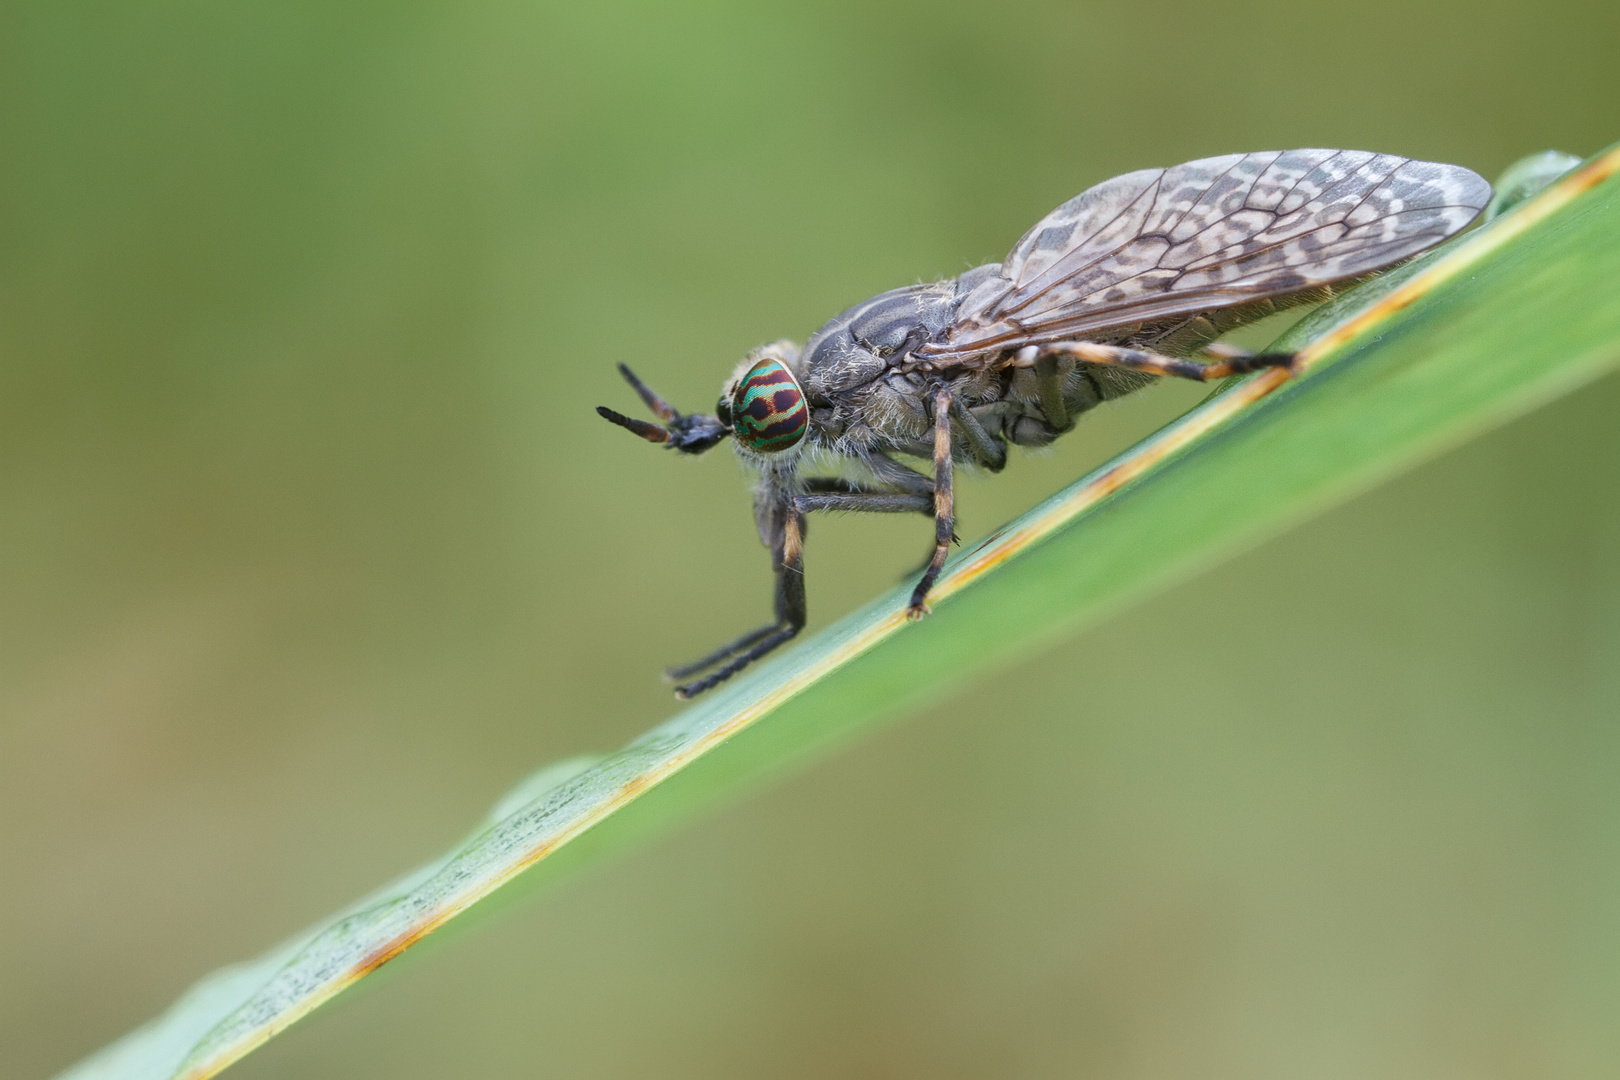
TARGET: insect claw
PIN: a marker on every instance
(661, 408)
(918, 611)
(651, 432)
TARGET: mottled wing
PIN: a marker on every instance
(1162, 243)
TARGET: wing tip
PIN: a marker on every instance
(1453, 185)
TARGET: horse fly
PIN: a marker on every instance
(1124, 283)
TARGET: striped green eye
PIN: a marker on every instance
(768, 413)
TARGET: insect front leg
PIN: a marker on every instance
(733, 648)
(1226, 361)
(944, 504)
(784, 528)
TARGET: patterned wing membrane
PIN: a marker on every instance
(1162, 243)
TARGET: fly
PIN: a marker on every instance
(1122, 284)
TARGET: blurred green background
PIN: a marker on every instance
(310, 545)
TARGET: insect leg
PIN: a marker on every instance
(1229, 361)
(675, 674)
(894, 474)
(867, 502)
(1050, 368)
(989, 452)
(777, 636)
(787, 548)
(944, 504)
(835, 493)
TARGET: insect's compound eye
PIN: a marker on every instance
(768, 413)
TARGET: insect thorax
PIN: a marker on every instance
(850, 368)
(866, 389)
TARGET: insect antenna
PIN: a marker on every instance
(689, 434)
(661, 408)
(650, 432)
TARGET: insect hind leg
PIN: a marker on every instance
(1225, 359)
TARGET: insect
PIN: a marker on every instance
(1118, 286)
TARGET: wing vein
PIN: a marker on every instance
(1263, 225)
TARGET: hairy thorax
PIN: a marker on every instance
(869, 387)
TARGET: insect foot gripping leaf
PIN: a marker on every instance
(1121, 284)
(1487, 328)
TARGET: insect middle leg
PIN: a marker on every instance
(831, 493)
(944, 504)
(987, 450)
(1226, 360)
